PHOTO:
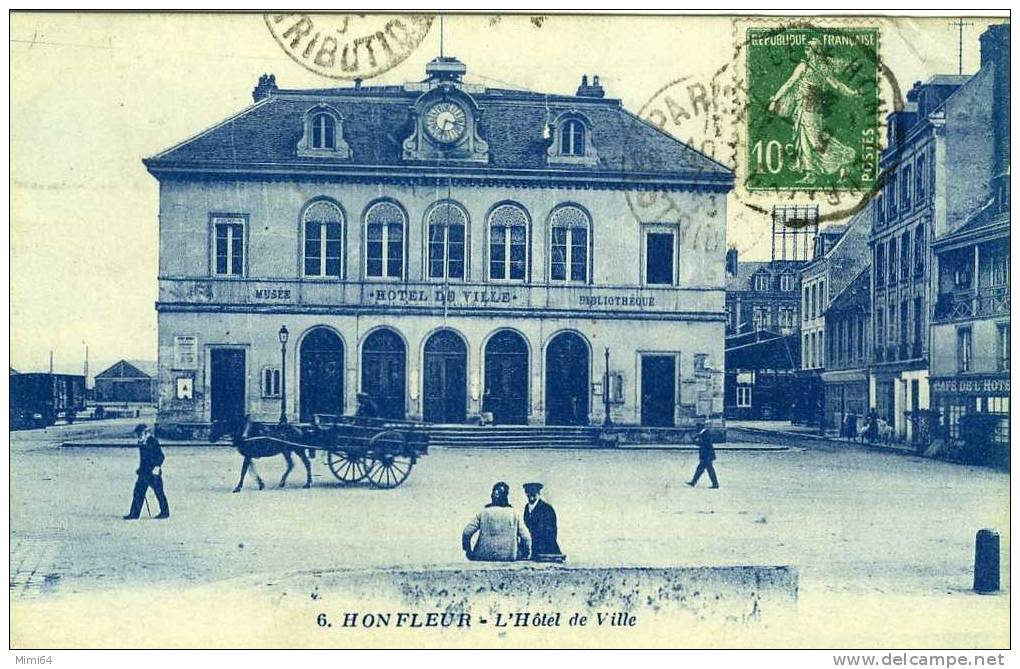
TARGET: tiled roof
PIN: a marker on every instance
(376, 121)
(745, 270)
(129, 369)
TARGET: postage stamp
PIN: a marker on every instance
(812, 121)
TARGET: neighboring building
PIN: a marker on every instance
(132, 381)
(848, 352)
(936, 172)
(970, 324)
(763, 319)
(760, 375)
(450, 249)
(841, 250)
(762, 295)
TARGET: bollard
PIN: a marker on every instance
(986, 562)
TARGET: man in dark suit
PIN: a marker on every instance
(150, 474)
(706, 454)
(540, 519)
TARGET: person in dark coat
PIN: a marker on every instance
(366, 407)
(540, 519)
(150, 474)
(706, 454)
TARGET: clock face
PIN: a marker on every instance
(445, 121)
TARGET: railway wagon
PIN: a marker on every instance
(39, 398)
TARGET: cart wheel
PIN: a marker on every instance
(388, 466)
(347, 468)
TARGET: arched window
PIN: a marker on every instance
(324, 235)
(570, 238)
(323, 131)
(508, 243)
(384, 241)
(572, 138)
(446, 226)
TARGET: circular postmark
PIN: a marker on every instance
(348, 46)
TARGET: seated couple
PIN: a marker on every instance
(503, 537)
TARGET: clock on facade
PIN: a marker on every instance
(445, 121)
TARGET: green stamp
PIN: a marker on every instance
(812, 118)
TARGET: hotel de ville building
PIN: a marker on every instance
(458, 253)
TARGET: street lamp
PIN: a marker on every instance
(606, 420)
(284, 334)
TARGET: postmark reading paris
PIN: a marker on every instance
(812, 117)
(348, 46)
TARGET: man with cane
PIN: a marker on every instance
(150, 475)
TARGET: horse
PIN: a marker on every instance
(253, 441)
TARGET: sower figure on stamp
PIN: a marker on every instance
(706, 454)
(150, 474)
(540, 519)
(502, 537)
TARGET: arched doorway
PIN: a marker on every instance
(383, 372)
(445, 391)
(506, 378)
(567, 377)
(322, 374)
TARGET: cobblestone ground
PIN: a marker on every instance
(886, 527)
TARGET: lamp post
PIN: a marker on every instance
(284, 334)
(606, 420)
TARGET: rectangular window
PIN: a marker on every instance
(905, 191)
(384, 251)
(508, 252)
(964, 350)
(920, 180)
(821, 298)
(805, 352)
(660, 250)
(905, 249)
(879, 209)
(879, 327)
(918, 324)
(806, 305)
(322, 249)
(762, 281)
(785, 317)
(880, 264)
(761, 318)
(893, 256)
(229, 249)
(904, 321)
(446, 251)
(270, 381)
(569, 254)
(743, 396)
(1004, 347)
(786, 282)
(919, 250)
(890, 198)
(891, 334)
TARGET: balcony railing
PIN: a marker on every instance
(969, 304)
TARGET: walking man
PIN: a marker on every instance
(706, 454)
(150, 474)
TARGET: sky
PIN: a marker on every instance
(93, 94)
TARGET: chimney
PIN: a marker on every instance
(594, 90)
(731, 261)
(265, 87)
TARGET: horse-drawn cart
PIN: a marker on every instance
(381, 451)
(356, 449)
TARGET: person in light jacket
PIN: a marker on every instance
(502, 537)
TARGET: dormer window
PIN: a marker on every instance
(572, 138)
(323, 135)
(323, 132)
(572, 141)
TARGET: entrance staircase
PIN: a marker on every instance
(513, 436)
